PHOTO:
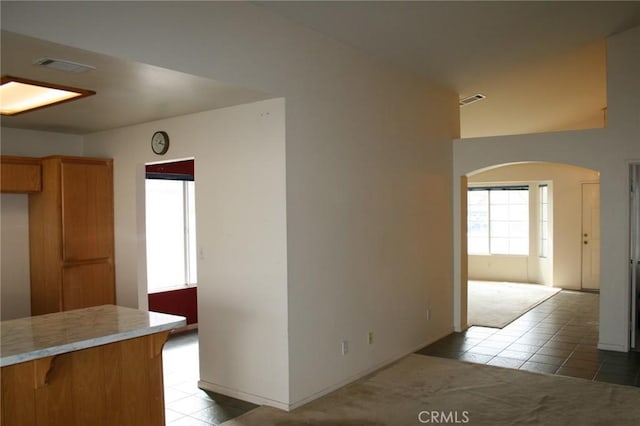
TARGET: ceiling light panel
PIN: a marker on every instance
(19, 95)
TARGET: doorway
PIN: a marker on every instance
(171, 239)
(590, 236)
(554, 256)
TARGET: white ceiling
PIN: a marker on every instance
(541, 64)
(127, 92)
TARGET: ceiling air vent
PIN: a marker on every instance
(63, 65)
(471, 99)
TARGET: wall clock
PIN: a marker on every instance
(160, 142)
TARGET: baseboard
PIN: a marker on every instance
(461, 329)
(343, 383)
(359, 375)
(259, 400)
(234, 393)
(613, 347)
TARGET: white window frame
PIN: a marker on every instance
(189, 257)
(544, 230)
(509, 225)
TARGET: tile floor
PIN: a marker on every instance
(185, 403)
(559, 336)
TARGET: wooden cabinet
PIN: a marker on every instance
(95, 366)
(20, 174)
(118, 383)
(71, 235)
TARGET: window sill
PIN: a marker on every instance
(173, 288)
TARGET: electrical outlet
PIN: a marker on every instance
(370, 337)
(345, 347)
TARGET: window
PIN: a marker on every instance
(171, 242)
(478, 222)
(544, 220)
(498, 220)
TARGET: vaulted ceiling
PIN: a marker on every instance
(542, 65)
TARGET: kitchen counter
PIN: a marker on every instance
(93, 366)
(26, 339)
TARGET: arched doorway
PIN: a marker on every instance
(554, 247)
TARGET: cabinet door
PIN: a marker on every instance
(20, 175)
(87, 285)
(87, 210)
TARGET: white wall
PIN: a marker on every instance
(241, 231)
(368, 172)
(565, 187)
(31, 143)
(607, 150)
(14, 215)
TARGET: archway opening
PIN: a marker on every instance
(528, 223)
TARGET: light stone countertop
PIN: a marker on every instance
(26, 339)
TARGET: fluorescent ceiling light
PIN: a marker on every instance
(18, 95)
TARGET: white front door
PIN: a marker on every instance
(590, 236)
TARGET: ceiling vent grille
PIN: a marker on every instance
(63, 65)
(471, 99)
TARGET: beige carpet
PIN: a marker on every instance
(496, 304)
(480, 394)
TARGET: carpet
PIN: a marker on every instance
(496, 304)
(421, 389)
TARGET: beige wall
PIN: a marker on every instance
(502, 268)
(512, 107)
(368, 178)
(608, 151)
(14, 257)
(563, 269)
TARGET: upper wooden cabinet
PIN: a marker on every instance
(87, 210)
(71, 235)
(20, 174)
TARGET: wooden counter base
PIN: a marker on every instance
(115, 384)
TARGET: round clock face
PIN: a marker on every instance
(160, 143)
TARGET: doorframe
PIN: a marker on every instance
(634, 251)
(460, 258)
